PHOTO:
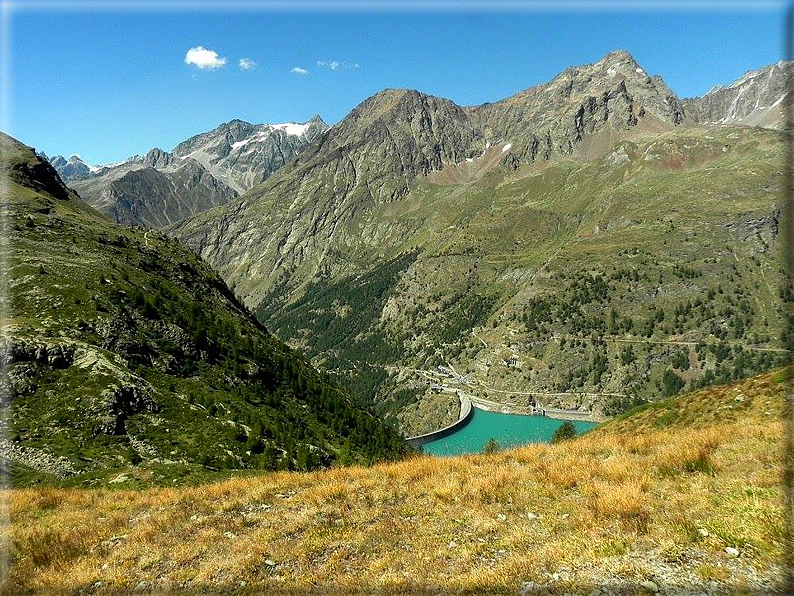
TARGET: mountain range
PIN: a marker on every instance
(590, 243)
(313, 295)
(550, 246)
(73, 168)
(161, 188)
(756, 99)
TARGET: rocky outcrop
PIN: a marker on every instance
(15, 350)
(26, 360)
(119, 402)
(22, 360)
(34, 172)
(760, 230)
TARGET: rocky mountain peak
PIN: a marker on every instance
(70, 169)
(157, 158)
(291, 229)
(618, 57)
(754, 99)
(408, 132)
(57, 161)
(601, 99)
(203, 171)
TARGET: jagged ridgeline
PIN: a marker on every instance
(588, 240)
(122, 347)
(206, 170)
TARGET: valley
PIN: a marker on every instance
(129, 361)
(591, 318)
(419, 251)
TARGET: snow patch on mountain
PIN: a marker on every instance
(293, 128)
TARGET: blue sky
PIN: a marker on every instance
(110, 84)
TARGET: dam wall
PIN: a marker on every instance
(466, 412)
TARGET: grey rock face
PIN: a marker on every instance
(242, 155)
(758, 229)
(755, 99)
(157, 158)
(117, 403)
(611, 95)
(151, 198)
(72, 169)
(202, 172)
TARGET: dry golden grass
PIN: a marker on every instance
(618, 502)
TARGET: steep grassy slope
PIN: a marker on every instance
(656, 496)
(125, 349)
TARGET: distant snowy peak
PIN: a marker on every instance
(72, 168)
(294, 129)
(237, 153)
(754, 99)
(242, 155)
(204, 171)
(235, 134)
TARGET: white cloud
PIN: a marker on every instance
(299, 70)
(336, 64)
(205, 59)
(246, 64)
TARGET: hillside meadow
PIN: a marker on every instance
(678, 496)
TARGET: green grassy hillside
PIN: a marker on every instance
(129, 359)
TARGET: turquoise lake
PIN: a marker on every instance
(508, 429)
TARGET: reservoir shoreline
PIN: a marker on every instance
(508, 430)
(468, 404)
